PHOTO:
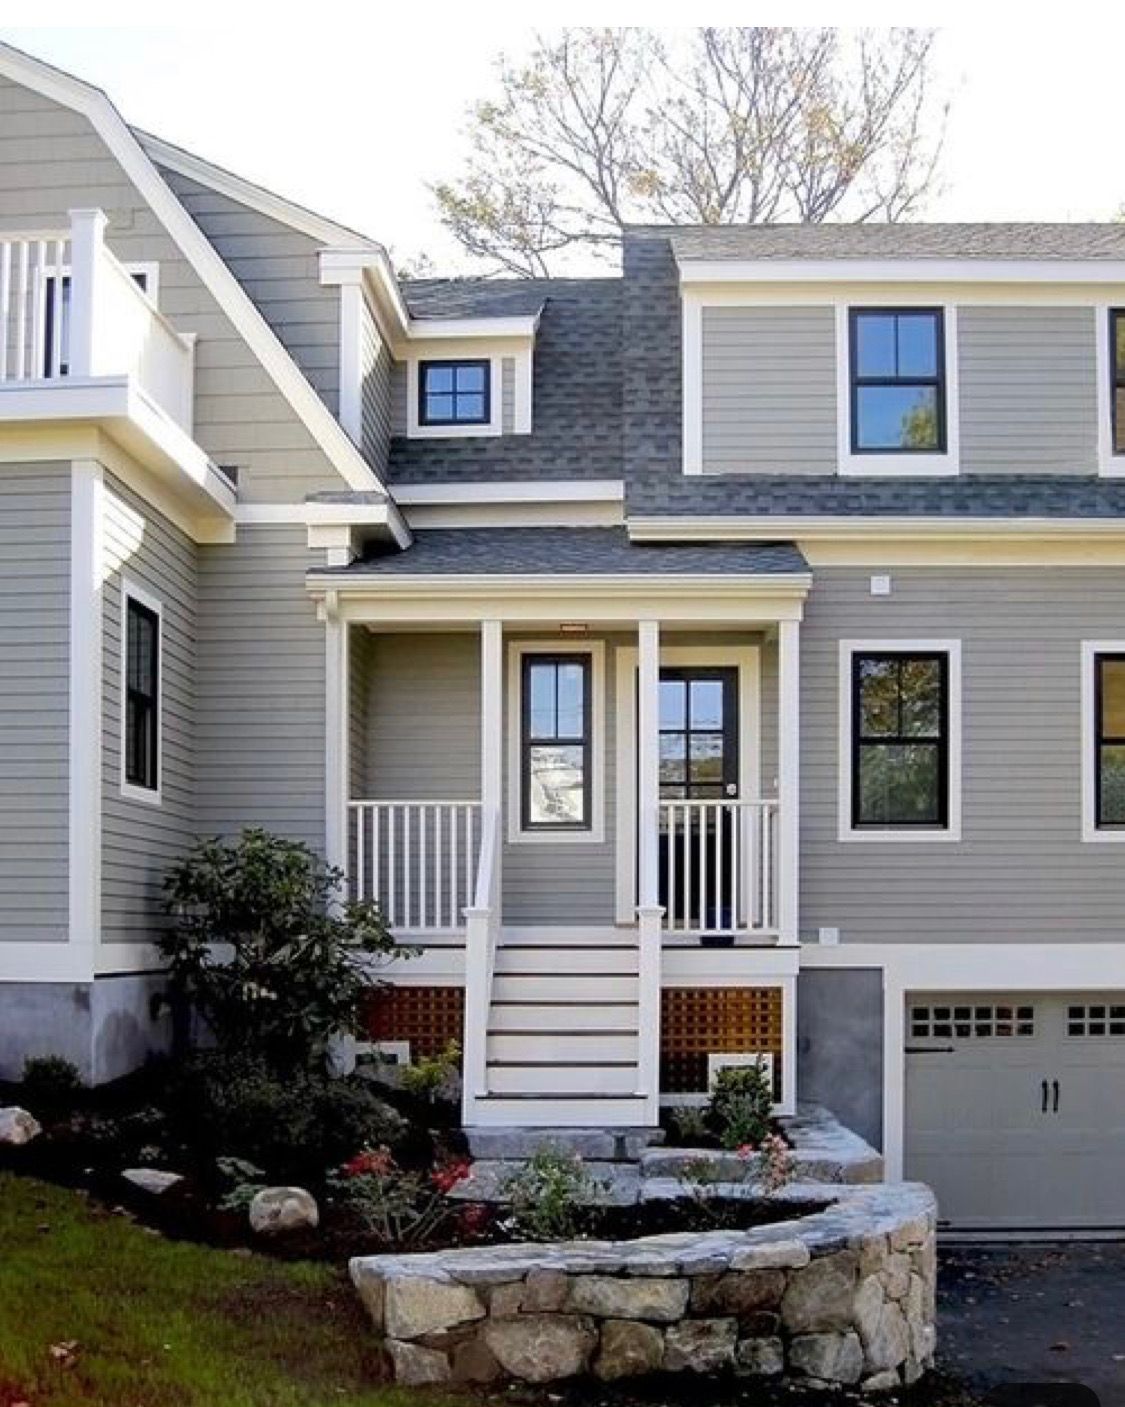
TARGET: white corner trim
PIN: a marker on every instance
(204, 258)
(351, 360)
(130, 591)
(84, 827)
(337, 721)
(563, 645)
(1110, 465)
(898, 466)
(845, 831)
(1092, 833)
(692, 361)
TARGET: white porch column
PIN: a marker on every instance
(87, 240)
(491, 716)
(789, 779)
(336, 742)
(649, 912)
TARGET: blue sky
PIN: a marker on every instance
(355, 119)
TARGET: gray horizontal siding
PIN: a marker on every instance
(1021, 872)
(769, 390)
(260, 702)
(34, 701)
(140, 841)
(1028, 390)
(52, 161)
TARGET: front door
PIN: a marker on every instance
(699, 767)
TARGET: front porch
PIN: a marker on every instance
(588, 826)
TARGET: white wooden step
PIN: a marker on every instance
(561, 1046)
(494, 1111)
(564, 1079)
(564, 988)
(562, 961)
(551, 935)
(563, 1016)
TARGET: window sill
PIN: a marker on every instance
(920, 836)
(146, 796)
(1094, 835)
(899, 466)
(517, 836)
(454, 432)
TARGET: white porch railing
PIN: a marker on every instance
(70, 309)
(719, 872)
(418, 860)
(482, 933)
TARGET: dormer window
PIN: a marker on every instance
(898, 381)
(454, 393)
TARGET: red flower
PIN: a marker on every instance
(446, 1177)
(372, 1162)
(474, 1218)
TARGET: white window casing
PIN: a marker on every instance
(1091, 831)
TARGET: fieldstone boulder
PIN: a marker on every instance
(628, 1350)
(700, 1345)
(774, 1255)
(818, 1299)
(275, 1210)
(833, 1358)
(896, 1276)
(418, 1304)
(887, 1343)
(760, 1358)
(154, 1181)
(544, 1292)
(881, 1382)
(415, 1366)
(540, 1348)
(740, 1294)
(474, 1362)
(663, 1301)
(18, 1127)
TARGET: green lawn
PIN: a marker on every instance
(156, 1323)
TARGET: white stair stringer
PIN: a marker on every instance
(563, 1039)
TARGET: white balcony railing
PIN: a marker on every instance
(718, 868)
(417, 860)
(70, 310)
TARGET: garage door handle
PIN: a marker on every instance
(1055, 1086)
(1044, 1109)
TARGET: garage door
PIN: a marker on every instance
(1015, 1108)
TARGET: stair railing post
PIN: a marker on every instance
(650, 913)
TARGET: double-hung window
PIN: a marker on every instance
(452, 393)
(900, 740)
(555, 742)
(1117, 379)
(141, 699)
(898, 381)
(1109, 741)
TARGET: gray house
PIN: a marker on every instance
(719, 661)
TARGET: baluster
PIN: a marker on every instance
(719, 840)
(38, 366)
(376, 858)
(392, 865)
(358, 830)
(670, 809)
(56, 348)
(21, 312)
(455, 823)
(423, 878)
(685, 855)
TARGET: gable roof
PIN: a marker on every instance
(899, 241)
(232, 298)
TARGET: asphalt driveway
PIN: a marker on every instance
(1009, 1316)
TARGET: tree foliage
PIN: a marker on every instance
(261, 948)
(600, 128)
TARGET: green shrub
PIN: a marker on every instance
(425, 1078)
(689, 1124)
(260, 946)
(51, 1084)
(293, 1125)
(394, 1209)
(549, 1196)
(741, 1105)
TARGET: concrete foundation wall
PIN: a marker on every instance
(840, 1046)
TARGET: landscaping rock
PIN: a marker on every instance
(833, 1358)
(819, 1298)
(275, 1210)
(760, 1358)
(882, 1382)
(888, 1345)
(544, 1292)
(417, 1305)
(415, 1366)
(738, 1294)
(628, 1350)
(474, 1362)
(151, 1180)
(505, 1300)
(778, 1255)
(18, 1127)
(540, 1348)
(661, 1300)
(896, 1276)
(700, 1345)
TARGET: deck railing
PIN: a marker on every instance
(69, 309)
(718, 862)
(418, 860)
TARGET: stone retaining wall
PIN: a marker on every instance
(843, 1296)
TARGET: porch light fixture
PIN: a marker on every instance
(573, 627)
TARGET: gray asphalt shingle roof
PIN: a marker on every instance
(572, 551)
(475, 297)
(890, 241)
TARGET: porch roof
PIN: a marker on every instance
(489, 552)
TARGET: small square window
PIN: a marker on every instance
(454, 393)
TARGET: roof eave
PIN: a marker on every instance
(695, 271)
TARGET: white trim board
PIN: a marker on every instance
(87, 575)
(208, 264)
(896, 835)
(562, 645)
(735, 527)
(920, 270)
(747, 660)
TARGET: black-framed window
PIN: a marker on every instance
(897, 381)
(455, 392)
(555, 739)
(900, 740)
(142, 695)
(1117, 377)
(1109, 740)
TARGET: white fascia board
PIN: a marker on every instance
(441, 329)
(516, 491)
(255, 197)
(778, 528)
(371, 269)
(460, 585)
(232, 298)
(844, 271)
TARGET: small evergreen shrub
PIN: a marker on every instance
(741, 1105)
(51, 1084)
